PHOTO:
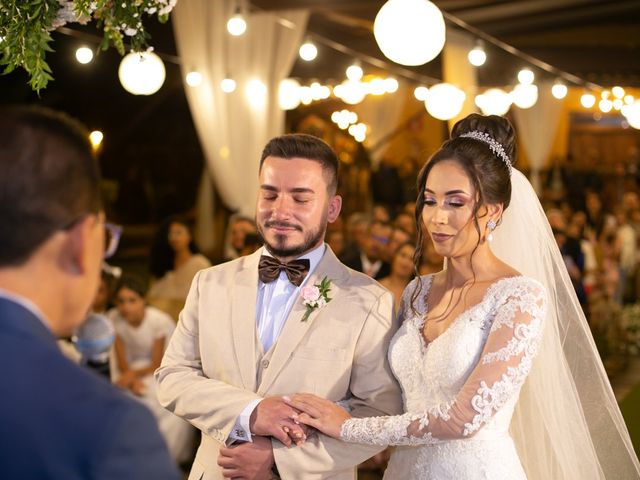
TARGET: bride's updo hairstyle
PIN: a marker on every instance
(475, 145)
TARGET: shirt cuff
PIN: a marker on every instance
(241, 429)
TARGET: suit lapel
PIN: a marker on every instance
(243, 318)
(295, 329)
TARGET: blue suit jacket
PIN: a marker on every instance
(60, 421)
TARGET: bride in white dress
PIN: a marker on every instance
(491, 388)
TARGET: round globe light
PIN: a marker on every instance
(477, 56)
(494, 102)
(525, 95)
(306, 97)
(421, 93)
(236, 25)
(308, 51)
(409, 32)
(559, 90)
(605, 105)
(444, 101)
(351, 92)
(588, 100)
(228, 85)
(618, 92)
(618, 103)
(141, 73)
(256, 92)
(391, 85)
(84, 55)
(354, 72)
(377, 87)
(628, 99)
(289, 94)
(193, 79)
(352, 117)
(525, 76)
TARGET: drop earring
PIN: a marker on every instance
(491, 226)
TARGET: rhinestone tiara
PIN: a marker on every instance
(495, 146)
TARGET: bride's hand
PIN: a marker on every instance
(319, 413)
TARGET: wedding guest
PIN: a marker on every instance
(142, 334)
(238, 228)
(175, 259)
(59, 420)
(402, 272)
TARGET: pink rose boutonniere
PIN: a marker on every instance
(315, 296)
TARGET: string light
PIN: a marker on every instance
(421, 93)
(559, 90)
(477, 56)
(588, 100)
(84, 55)
(96, 138)
(237, 25)
(228, 85)
(525, 76)
(193, 78)
(618, 92)
(354, 72)
(308, 51)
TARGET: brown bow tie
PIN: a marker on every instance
(269, 269)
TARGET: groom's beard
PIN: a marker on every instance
(279, 249)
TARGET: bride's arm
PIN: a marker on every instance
(502, 369)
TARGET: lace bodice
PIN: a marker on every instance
(468, 378)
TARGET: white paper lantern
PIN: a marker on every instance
(494, 102)
(444, 101)
(141, 73)
(289, 94)
(84, 55)
(525, 95)
(409, 32)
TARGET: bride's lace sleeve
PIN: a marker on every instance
(504, 364)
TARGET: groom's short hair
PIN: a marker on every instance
(300, 145)
(49, 178)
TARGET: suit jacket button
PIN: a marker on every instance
(265, 363)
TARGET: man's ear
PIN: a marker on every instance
(74, 255)
(335, 205)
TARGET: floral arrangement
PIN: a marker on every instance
(316, 296)
(26, 25)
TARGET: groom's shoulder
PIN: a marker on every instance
(358, 282)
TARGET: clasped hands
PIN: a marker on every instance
(290, 420)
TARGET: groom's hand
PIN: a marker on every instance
(273, 417)
(247, 461)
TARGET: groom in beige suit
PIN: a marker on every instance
(246, 338)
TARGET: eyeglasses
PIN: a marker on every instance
(112, 234)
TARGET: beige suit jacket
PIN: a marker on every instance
(210, 370)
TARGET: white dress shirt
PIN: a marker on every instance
(273, 304)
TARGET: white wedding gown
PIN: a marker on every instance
(460, 390)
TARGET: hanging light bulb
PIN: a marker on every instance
(559, 90)
(308, 51)
(289, 94)
(628, 99)
(525, 95)
(355, 72)
(588, 100)
(95, 138)
(525, 76)
(193, 78)
(444, 101)
(477, 56)
(256, 93)
(605, 105)
(84, 55)
(494, 102)
(618, 103)
(409, 32)
(421, 93)
(228, 85)
(237, 25)
(618, 92)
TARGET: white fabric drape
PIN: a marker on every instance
(537, 128)
(232, 131)
(382, 114)
(204, 231)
